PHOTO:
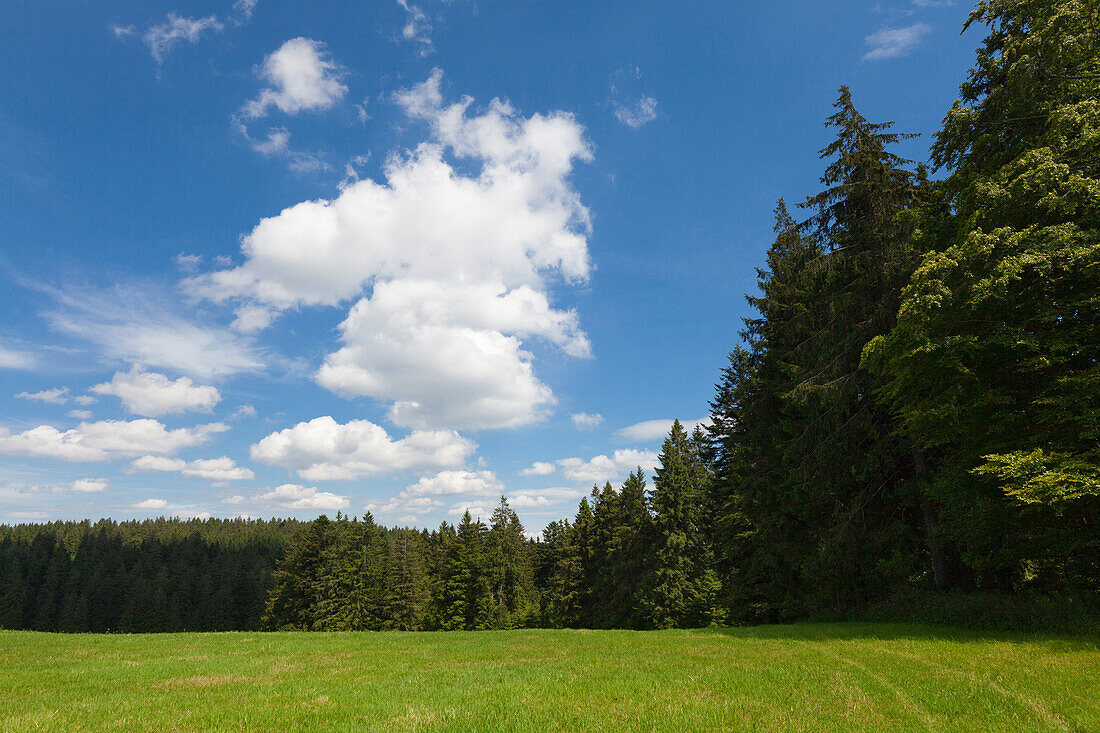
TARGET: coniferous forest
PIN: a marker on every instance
(909, 428)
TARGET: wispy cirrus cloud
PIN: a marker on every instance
(164, 37)
(139, 323)
(888, 43)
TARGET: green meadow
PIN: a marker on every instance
(827, 677)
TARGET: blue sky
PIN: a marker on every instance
(268, 259)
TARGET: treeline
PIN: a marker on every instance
(631, 558)
(153, 575)
(916, 406)
(911, 423)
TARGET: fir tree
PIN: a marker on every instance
(683, 587)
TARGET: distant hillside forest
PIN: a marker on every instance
(909, 428)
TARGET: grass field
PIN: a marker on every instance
(804, 677)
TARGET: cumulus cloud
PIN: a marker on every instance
(889, 43)
(302, 76)
(637, 113)
(164, 37)
(211, 469)
(153, 395)
(323, 449)
(477, 509)
(599, 469)
(89, 485)
(538, 468)
(652, 430)
(150, 504)
(242, 412)
(296, 496)
(104, 440)
(458, 266)
(405, 505)
(543, 498)
(584, 421)
(80, 414)
(449, 354)
(472, 483)
(55, 396)
(138, 324)
(424, 495)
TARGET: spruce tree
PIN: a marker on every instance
(406, 583)
(683, 587)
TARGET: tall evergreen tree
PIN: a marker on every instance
(509, 569)
(683, 587)
(406, 582)
(994, 364)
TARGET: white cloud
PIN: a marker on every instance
(89, 485)
(56, 396)
(153, 395)
(295, 496)
(417, 28)
(449, 354)
(541, 498)
(323, 449)
(478, 510)
(104, 440)
(302, 77)
(242, 412)
(138, 324)
(235, 499)
(538, 468)
(164, 37)
(277, 144)
(402, 504)
(471, 483)
(603, 468)
(244, 10)
(889, 43)
(85, 399)
(637, 114)
(80, 414)
(210, 469)
(458, 266)
(423, 496)
(186, 262)
(15, 359)
(80, 485)
(584, 421)
(122, 31)
(653, 430)
(150, 504)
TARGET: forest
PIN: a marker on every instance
(909, 428)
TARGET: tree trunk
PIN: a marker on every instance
(928, 510)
